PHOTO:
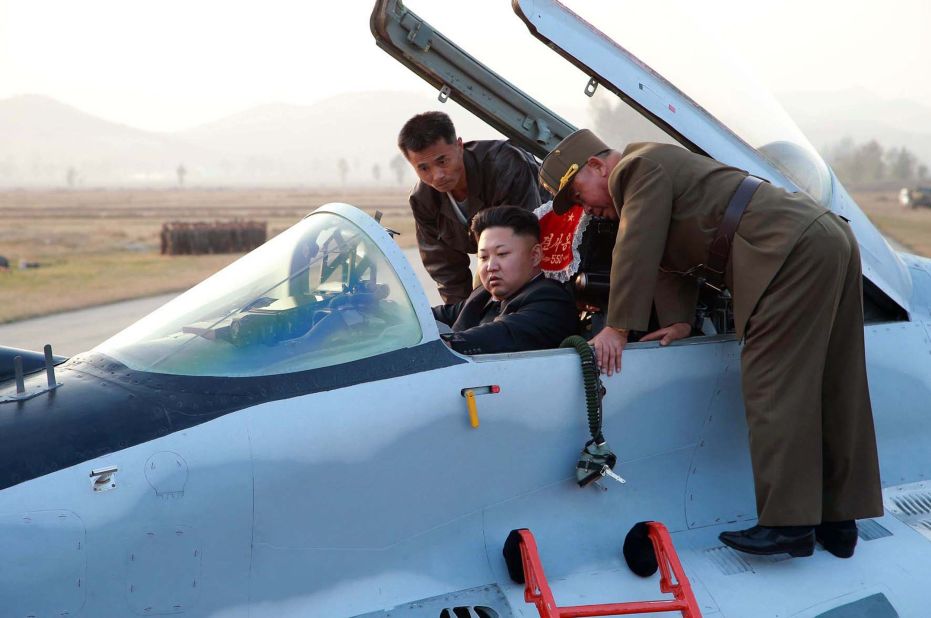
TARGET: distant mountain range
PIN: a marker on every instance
(42, 139)
(271, 144)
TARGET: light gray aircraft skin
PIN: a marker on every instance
(193, 466)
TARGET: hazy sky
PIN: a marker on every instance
(173, 64)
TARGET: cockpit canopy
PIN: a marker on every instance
(711, 78)
(319, 294)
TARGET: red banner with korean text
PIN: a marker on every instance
(560, 236)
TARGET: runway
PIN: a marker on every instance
(78, 331)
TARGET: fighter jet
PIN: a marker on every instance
(291, 437)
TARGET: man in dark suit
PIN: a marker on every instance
(516, 308)
(793, 268)
(458, 180)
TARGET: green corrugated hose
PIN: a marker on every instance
(591, 381)
(596, 459)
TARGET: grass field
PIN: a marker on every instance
(101, 246)
(910, 227)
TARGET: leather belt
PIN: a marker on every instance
(720, 249)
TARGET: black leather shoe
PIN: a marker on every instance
(797, 541)
(838, 537)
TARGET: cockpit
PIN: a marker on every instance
(321, 293)
(324, 293)
(691, 93)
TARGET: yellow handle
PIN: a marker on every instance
(473, 409)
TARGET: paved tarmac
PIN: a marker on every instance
(78, 331)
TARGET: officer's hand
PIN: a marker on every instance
(608, 344)
(671, 333)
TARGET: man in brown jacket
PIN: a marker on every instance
(794, 273)
(457, 180)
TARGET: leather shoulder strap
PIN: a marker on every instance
(720, 249)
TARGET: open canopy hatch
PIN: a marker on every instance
(742, 132)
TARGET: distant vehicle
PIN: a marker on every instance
(913, 198)
(291, 438)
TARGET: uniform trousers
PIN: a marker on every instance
(812, 441)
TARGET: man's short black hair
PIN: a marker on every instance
(423, 130)
(521, 222)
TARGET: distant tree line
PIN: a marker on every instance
(398, 166)
(869, 162)
(346, 171)
(854, 163)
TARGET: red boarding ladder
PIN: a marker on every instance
(538, 590)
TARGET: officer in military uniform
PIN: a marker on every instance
(793, 269)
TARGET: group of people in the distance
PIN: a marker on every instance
(791, 266)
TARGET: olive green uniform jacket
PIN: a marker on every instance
(794, 273)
